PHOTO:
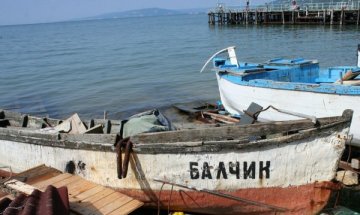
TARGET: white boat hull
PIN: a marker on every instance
(287, 175)
(237, 98)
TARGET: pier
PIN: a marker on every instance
(340, 13)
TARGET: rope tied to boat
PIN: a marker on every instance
(312, 118)
(123, 165)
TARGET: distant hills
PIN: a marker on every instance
(147, 12)
(166, 12)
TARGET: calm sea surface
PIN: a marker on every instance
(138, 63)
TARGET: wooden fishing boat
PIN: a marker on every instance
(264, 168)
(290, 84)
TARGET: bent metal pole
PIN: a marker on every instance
(224, 195)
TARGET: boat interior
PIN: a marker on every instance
(205, 125)
(290, 70)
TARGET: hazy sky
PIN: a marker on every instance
(36, 11)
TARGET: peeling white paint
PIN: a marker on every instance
(298, 163)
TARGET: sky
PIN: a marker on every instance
(41, 11)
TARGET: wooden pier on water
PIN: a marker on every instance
(341, 13)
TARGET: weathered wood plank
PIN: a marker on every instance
(84, 197)
(115, 126)
(81, 209)
(12, 115)
(346, 166)
(49, 140)
(127, 208)
(35, 130)
(88, 193)
(40, 178)
(67, 181)
(222, 118)
(113, 205)
(77, 126)
(32, 174)
(28, 134)
(355, 163)
(106, 200)
(19, 186)
(98, 129)
(44, 184)
(36, 122)
(89, 138)
(216, 146)
(15, 118)
(92, 199)
(35, 171)
(28, 189)
(52, 122)
(226, 133)
(78, 187)
(347, 177)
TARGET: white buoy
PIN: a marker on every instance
(358, 63)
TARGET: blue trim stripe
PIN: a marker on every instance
(307, 87)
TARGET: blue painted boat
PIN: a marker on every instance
(297, 85)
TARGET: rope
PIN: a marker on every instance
(312, 118)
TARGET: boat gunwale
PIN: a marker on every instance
(54, 140)
(238, 145)
(322, 88)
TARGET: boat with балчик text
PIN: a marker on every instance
(284, 167)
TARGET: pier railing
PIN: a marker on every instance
(348, 5)
(307, 13)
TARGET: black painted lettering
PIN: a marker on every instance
(194, 172)
(221, 171)
(249, 172)
(206, 171)
(264, 168)
(234, 168)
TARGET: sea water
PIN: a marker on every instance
(119, 65)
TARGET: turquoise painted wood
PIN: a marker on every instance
(289, 74)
